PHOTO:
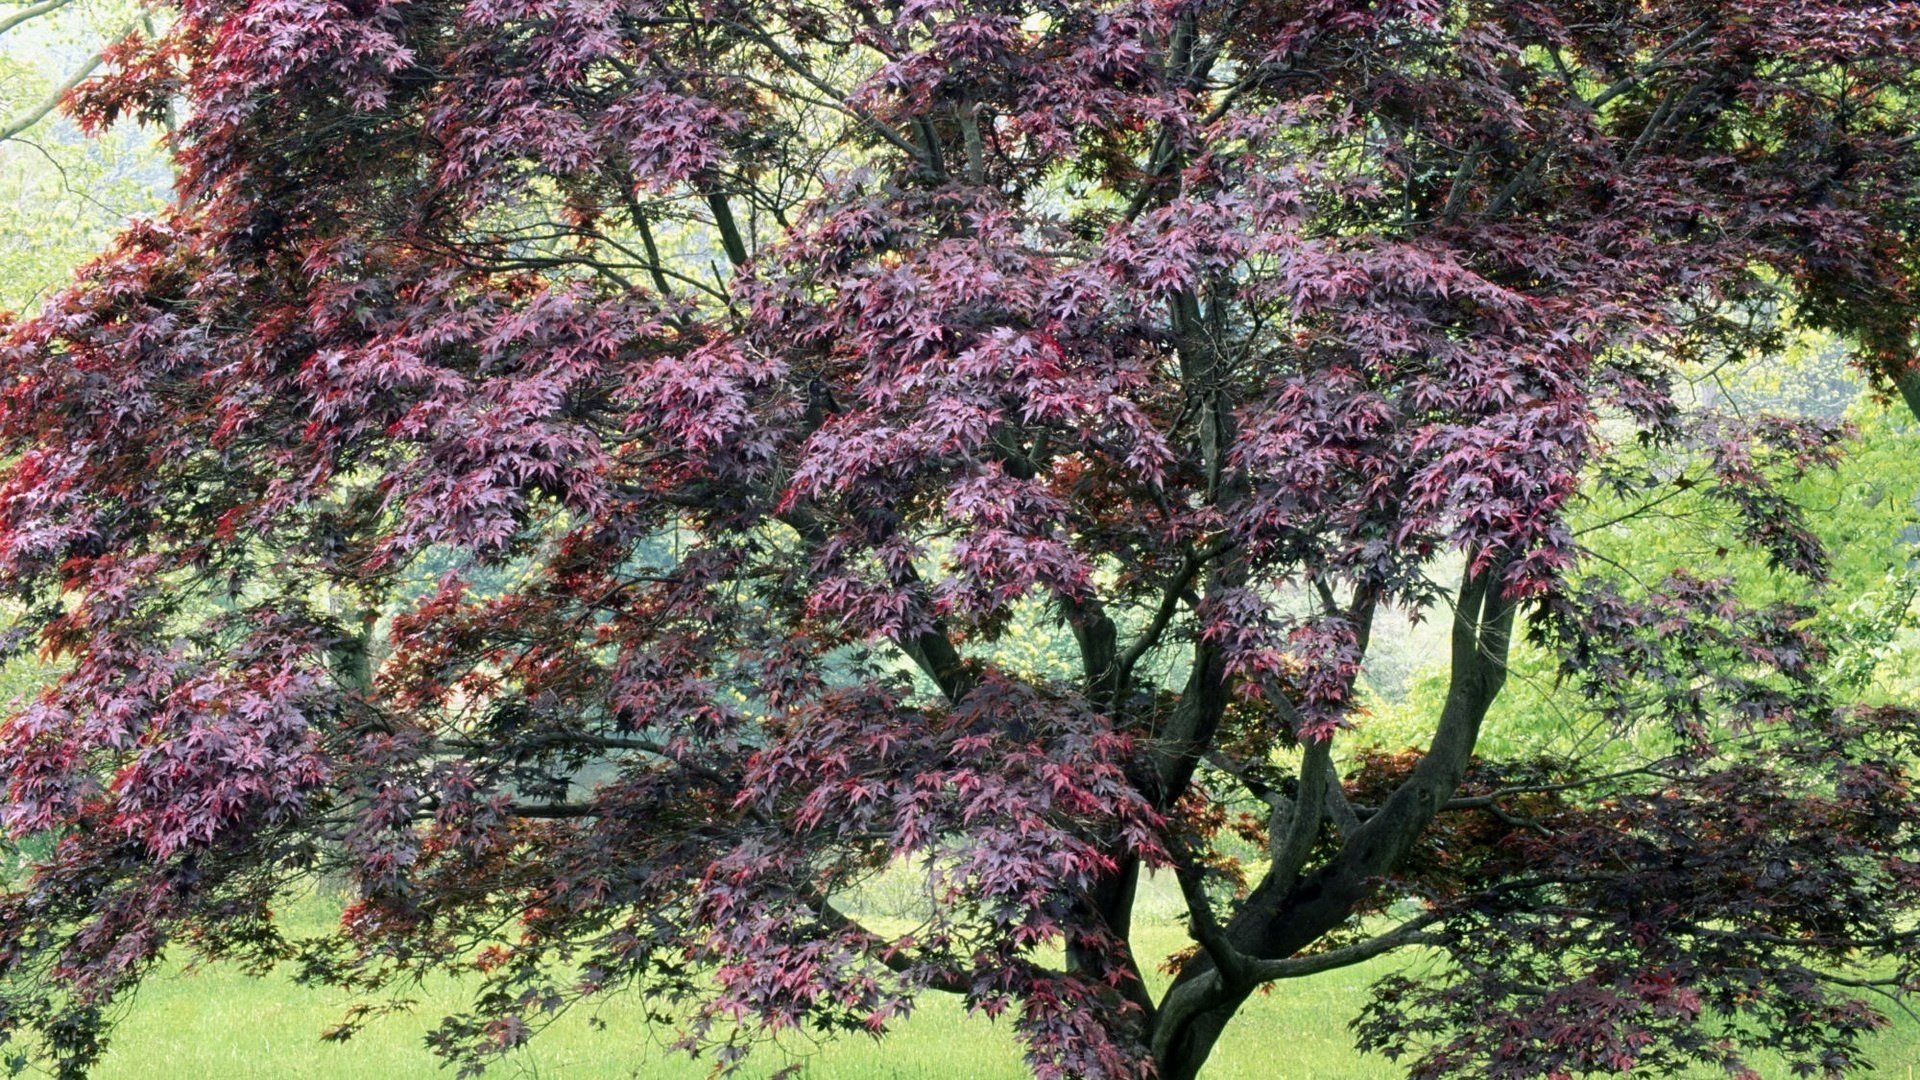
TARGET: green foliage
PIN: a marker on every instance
(1864, 512)
(64, 197)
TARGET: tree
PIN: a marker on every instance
(771, 358)
(62, 196)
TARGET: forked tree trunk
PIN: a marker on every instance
(1192, 1046)
(1287, 914)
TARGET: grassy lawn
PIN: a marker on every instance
(219, 1024)
(215, 1024)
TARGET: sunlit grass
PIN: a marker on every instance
(215, 1024)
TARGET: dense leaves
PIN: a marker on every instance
(566, 468)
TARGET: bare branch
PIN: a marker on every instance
(1400, 937)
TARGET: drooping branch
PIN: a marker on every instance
(931, 648)
(883, 950)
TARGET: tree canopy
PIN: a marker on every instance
(568, 467)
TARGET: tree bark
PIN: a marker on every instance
(1909, 386)
(1285, 915)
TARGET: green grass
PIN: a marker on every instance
(216, 1024)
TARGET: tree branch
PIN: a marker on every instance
(1307, 812)
(730, 239)
(39, 112)
(880, 948)
(34, 11)
(1294, 967)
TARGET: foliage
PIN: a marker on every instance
(778, 364)
(1864, 513)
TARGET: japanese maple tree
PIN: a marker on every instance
(563, 466)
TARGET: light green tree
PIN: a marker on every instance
(62, 196)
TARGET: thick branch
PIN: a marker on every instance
(1482, 628)
(1294, 967)
(1095, 634)
(1205, 925)
(730, 239)
(1308, 811)
(1191, 728)
(1909, 386)
(1286, 912)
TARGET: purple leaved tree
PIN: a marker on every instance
(566, 468)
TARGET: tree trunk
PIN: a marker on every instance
(1909, 386)
(1189, 1050)
(1286, 914)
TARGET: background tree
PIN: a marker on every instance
(748, 368)
(62, 196)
